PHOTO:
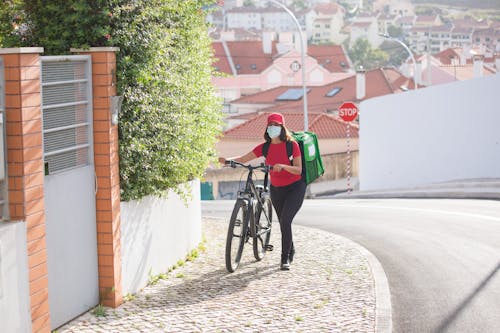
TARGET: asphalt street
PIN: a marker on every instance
(441, 256)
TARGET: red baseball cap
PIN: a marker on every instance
(276, 118)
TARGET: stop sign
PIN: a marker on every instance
(348, 111)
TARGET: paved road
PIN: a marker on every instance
(441, 257)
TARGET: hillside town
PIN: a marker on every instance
(353, 50)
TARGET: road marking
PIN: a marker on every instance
(486, 217)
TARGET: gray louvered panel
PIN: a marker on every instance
(63, 71)
(65, 139)
(64, 93)
(65, 116)
(66, 101)
(67, 160)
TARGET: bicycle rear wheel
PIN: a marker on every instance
(262, 227)
(236, 234)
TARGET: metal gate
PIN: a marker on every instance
(69, 186)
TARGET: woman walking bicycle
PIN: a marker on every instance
(287, 186)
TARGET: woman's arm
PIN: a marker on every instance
(242, 159)
(295, 169)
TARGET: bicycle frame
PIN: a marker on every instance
(250, 192)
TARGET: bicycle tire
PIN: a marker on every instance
(236, 234)
(261, 223)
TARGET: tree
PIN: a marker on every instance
(396, 53)
(11, 23)
(394, 31)
(362, 54)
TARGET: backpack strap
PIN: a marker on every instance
(289, 150)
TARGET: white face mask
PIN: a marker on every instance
(273, 131)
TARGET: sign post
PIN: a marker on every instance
(348, 111)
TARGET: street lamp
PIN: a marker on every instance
(289, 12)
(386, 36)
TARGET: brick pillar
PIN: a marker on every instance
(108, 178)
(25, 169)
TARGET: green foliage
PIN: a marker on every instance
(170, 118)
(11, 23)
(394, 31)
(99, 311)
(362, 54)
(61, 25)
(396, 53)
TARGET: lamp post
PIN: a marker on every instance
(304, 88)
(386, 36)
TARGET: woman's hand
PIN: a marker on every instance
(278, 167)
(222, 160)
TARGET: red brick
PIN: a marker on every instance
(29, 59)
(38, 272)
(40, 324)
(38, 258)
(35, 220)
(12, 74)
(11, 60)
(38, 285)
(37, 245)
(30, 73)
(30, 86)
(36, 232)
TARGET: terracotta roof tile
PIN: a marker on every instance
(332, 57)
(326, 8)
(324, 125)
(251, 58)
(248, 56)
(378, 82)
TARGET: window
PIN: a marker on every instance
(253, 66)
(293, 94)
(333, 92)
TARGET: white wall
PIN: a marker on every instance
(155, 234)
(440, 133)
(14, 286)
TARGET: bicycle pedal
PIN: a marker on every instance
(269, 247)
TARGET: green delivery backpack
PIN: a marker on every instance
(312, 165)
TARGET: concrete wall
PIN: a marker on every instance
(439, 133)
(155, 234)
(15, 313)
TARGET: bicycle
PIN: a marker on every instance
(251, 218)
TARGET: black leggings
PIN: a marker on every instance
(287, 201)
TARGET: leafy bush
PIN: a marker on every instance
(170, 116)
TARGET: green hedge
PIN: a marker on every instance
(170, 116)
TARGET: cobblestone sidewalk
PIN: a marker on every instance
(328, 289)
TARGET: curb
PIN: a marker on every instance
(383, 308)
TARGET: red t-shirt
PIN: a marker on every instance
(277, 154)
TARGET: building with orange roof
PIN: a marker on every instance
(247, 67)
(453, 64)
(322, 99)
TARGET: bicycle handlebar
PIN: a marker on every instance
(262, 167)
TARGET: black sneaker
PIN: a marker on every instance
(285, 264)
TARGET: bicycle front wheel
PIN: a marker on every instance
(262, 227)
(236, 234)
